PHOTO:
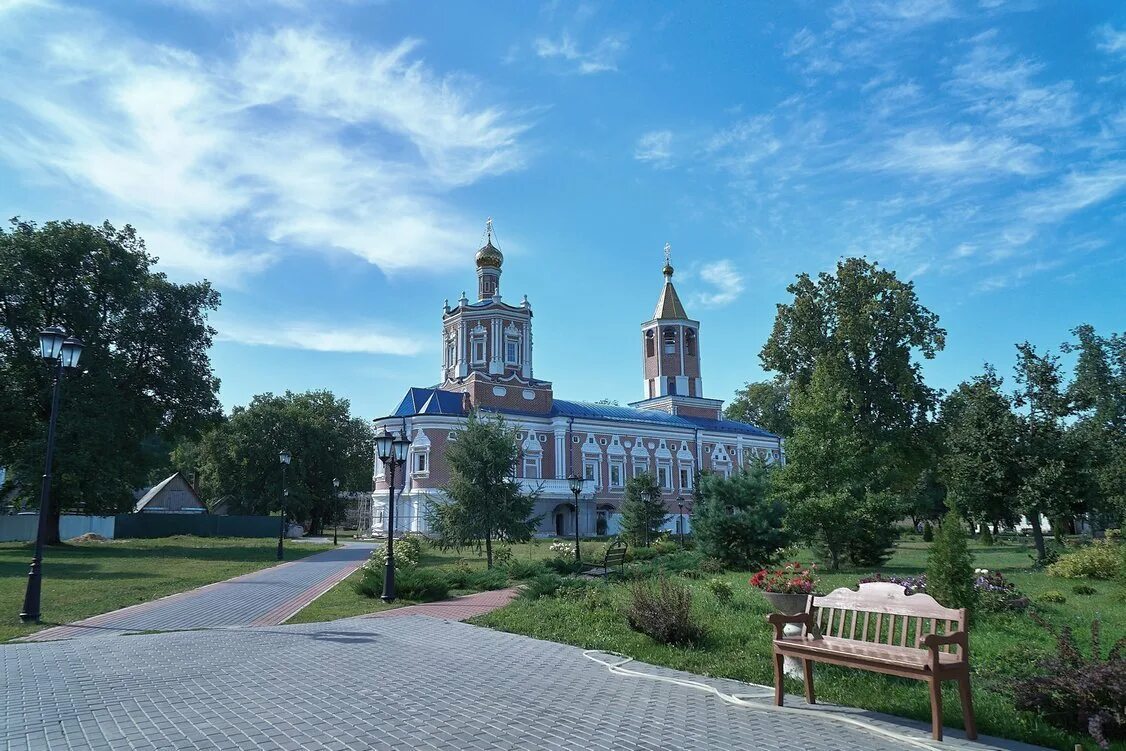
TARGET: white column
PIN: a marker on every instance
(560, 457)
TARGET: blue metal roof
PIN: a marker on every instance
(438, 402)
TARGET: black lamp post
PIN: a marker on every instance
(61, 354)
(576, 483)
(285, 458)
(392, 452)
(335, 508)
(680, 517)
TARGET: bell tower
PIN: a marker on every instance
(670, 356)
(489, 260)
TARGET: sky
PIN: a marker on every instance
(329, 167)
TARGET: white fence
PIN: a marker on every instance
(22, 527)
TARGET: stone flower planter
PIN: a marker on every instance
(789, 604)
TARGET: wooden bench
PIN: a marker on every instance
(882, 629)
(615, 557)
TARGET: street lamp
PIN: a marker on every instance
(284, 457)
(680, 518)
(576, 483)
(392, 452)
(60, 353)
(335, 508)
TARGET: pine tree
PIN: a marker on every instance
(643, 510)
(736, 520)
(950, 570)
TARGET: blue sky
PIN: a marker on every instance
(329, 166)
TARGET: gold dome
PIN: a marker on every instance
(489, 255)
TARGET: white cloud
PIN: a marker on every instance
(363, 339)
(929, 153)
(1111, 40)
(727, 281)
(1075, 192)
(600, 58)
(299, 139)
(654, 147)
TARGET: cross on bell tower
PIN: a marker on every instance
(670, 344)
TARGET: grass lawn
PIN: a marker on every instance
(84, 579)
(738, 645)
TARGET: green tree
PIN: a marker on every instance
(643, 510)
(863, 326)
(825, 482)
(950, 568)
(485, 502)
(1055, 483)
(1098, 396)
(981, 460)
(145, 379)
(735, 519)
(238, 460)
(765, 404)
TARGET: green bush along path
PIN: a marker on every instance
(737, 644)
(85, 579)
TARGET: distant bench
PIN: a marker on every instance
(615, 557)
(939, 648)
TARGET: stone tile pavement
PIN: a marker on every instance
(411, 682)
(456, 608)
(261, 598)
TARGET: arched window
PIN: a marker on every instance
(670, 341)
(690, 342)
(650, 344)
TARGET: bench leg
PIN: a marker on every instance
(807, 670)
(967, 707)
(936, 708)
(778, 678)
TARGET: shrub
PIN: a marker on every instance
(712, 566)
(662, 610)
(1114, 535)
(721, 590)
(735, 520)
(1099, 560)
(561, 565)
(950, 572)
(928, 532)
(1078, 692)
(522, 568)
(421, 584)
(986, 536)
(1084, 589)
(664, 547)
(677, 562)
(1053, 596)
(486, 579)
(563, 549)
(408, 552)
(640, 554)
(502, 554)
(542, 585)
(643, 510)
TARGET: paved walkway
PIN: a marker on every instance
(410, 682)
(456, 608)
(262, 598)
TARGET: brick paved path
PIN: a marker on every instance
(262, 598)
(379, 683)
(456, 608)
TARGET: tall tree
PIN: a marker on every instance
(146, 376)
(736, 520)
(643, 509)
(485, 502)
(238, 460)
(981, 459)
(1098, 396)
(1054, 483)
(765, 404)
(865, 327)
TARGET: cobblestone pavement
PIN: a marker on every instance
(411, 682)
(262, 598)
(456, 608)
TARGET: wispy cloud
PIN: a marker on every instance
(654, 147)
(726, 280)
(315, 337)
(1111, 40)
(603, 56)
(1075, 192)
(928, 152)
(299, 139)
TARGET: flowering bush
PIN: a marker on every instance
(408, 552)
(995, 592)
(791, 579)
(563, 549)
(911, 584)
(1099, 560)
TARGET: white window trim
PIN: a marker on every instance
(640, 466)
(667, 467)
(685, 471)
(621, 467)
(533, 461)
(477, 341)
(514, 343)
(415, 471)
(595, 465)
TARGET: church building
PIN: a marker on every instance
(673, 432)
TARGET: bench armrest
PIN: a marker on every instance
(779, 621)
(934, 641)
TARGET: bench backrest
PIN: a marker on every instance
(883, 613)
(615, 554)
